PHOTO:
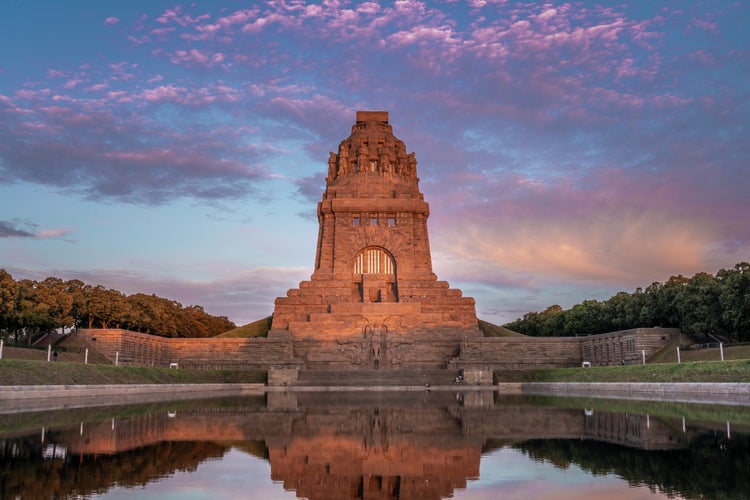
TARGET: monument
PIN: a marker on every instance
(373, 312)
(373, 300)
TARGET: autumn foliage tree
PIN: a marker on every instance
(28, 307)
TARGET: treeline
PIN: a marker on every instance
(30, 307)
(715, 304)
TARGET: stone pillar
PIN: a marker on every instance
(478, 376)
(282, 376)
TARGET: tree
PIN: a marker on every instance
(585, 318)
(615, 311)
(105, 307)
(699, 307)
(735, 300)
(76, 289)
(705, 303)
(8, 297)
(59, 301)
(29, 306)
(34, 309)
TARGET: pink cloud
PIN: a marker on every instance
(708, 26)
(111, 20)
(7, 106)
(163, 93)
(93, 150)
(423, 34)
(611, 227)
(191, 97)
(162, 31)
(55, 233)
(237, 18)
(98, 87)
(138, 40)
(175, 15)
(72, 83)
(195, 57)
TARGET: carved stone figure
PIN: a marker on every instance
(331, 166)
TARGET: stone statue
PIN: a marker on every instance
(343, 161)
(376, 343)
(331, 166)
(412, 169)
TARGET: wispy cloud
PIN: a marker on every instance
(25, 229)
(13, 229)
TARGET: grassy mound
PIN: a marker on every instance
(255, 329)
(490, 330)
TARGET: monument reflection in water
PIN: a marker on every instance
(418, 445)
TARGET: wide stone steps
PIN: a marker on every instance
(373, 378)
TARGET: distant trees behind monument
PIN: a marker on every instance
(28, 307)
(716, 304)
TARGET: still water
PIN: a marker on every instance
(418, 445)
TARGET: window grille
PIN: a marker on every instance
(373, 260)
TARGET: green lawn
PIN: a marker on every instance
(29, 372)
(706, 371)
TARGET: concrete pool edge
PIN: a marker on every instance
(15, 399)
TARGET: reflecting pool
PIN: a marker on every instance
(384, 445)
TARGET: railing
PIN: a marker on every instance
(708, 345)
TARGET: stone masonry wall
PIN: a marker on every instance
(140, 349)
(626, 347)
(525, 353)
(504, 353)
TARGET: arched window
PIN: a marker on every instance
(373, 260)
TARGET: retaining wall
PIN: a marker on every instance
(405, 352)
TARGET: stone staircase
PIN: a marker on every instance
(373, 378)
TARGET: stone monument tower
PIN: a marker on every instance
(373, 300)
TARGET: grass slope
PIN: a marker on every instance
(490, 330)
(713, 354)
(255, 329)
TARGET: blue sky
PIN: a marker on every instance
(568, 150)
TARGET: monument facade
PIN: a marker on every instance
(373, 289)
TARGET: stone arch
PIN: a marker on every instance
(374, 273)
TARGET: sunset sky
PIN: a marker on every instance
(568, 150)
